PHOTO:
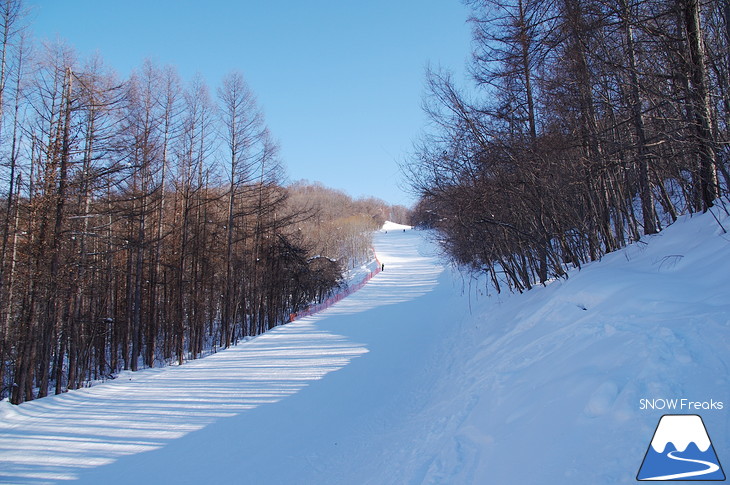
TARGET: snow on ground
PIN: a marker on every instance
(414, 379)
(552, 380)
(394, 226)
(271, 410)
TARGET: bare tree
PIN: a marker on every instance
(591, 112)
(242, 132)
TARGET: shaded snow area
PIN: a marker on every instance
(421, 377)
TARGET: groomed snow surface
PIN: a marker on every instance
(422, 376)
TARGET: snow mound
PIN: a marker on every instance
(394, 226)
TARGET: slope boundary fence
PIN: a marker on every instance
(349, 290)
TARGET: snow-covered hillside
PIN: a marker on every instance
(420, 377)
(555, 385)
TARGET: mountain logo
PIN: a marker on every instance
(680, 450)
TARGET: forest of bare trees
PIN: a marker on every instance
(340, 227)
(589, 124)
(144, 220)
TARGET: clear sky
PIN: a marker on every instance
(340, 81)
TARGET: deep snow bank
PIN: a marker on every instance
(554, 385)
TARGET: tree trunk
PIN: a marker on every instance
(700, 99)
(643, 156)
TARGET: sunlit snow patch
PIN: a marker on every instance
(393, 226)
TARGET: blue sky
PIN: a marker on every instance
(340, 82)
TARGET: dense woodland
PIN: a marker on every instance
(146, 220)
(589, 123)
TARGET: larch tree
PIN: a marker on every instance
(242, 131)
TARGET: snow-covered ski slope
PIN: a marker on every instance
(417, 379)
(271, 410)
